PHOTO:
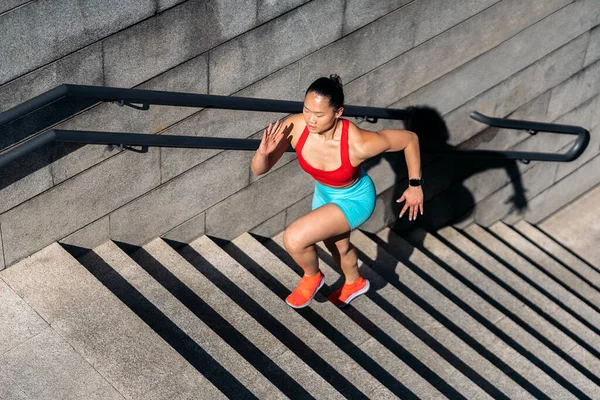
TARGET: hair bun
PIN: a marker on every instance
(336, 77)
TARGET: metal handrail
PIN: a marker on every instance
(142, 99)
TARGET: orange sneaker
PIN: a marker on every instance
(306, 290)
(343, 296)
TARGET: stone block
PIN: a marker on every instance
(84, 67)
(298, 210)
(9, 389)
(440, 55)
(229, 123)
(46, 30)
(19, 322)
(435, 17)
(146, 49)
(48, 367)
(8, 5)
(359, 13)
(515, 54)
(2, 263)
(180, 199)
(17, 187)
(593, 51)
(191, 229)
(269, 9)
(563, 192)
(190, 77)
(258, 202)
(516, 91)
(164, 4)
(241, 61)
(77, 202)
(494, 207)
(363, 50)
(270, 227)
(90, 236)
(583, 86)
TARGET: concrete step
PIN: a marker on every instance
(559, 356)
(376, 313)
(331, 321)
(316, 349)
(577, 227)
(112, 339)
(553, 277)
(249, 335)
(192, 337)
(459, 310)
(505, 265)
(561, 254)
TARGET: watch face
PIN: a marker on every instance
(415, 182)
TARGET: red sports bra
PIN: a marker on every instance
(342, 176)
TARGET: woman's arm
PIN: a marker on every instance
(371, 144)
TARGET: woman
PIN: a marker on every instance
(332, 150)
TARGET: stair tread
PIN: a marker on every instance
(355, 335)
(560, 274)
(117, 343)
(403, 339)
(525, 289)
(271, 303)
(196, 329)
(241, 321)
(519, 309)
(523, 370)
(508, 300)
(561, 253)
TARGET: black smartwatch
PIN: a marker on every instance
(415, 182)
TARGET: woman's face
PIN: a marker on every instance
(318, 114)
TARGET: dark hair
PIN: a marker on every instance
(331, 88)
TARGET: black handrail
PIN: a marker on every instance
(142, 99)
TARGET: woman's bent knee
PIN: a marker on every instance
(292, 241)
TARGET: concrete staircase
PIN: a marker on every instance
(502, 312)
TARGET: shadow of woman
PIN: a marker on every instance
(447, 200)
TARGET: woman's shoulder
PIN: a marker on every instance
(294, 125)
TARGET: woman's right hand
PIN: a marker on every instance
(270, 139)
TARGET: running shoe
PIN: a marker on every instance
(306, 290)
(342, 297)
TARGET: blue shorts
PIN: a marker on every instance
(357, 202)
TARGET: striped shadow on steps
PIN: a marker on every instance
(314, 348)
(509, 267)
(555, 359)
(416, 278)
(585, 271)
(129, 283)
(399, 322)
(240, 330)
(574, 292)
(333, 323)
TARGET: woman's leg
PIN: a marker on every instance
(345, 255)
(300, 237)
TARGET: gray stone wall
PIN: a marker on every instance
(534, 59)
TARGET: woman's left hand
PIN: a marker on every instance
(414, 202)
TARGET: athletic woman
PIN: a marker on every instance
(332, 150)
